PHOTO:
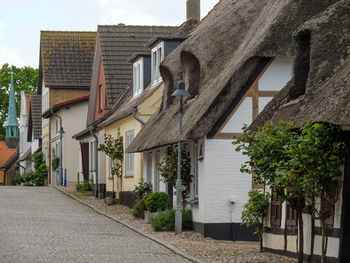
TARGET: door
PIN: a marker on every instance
(85, 159)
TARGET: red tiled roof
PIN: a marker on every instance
(5, 153)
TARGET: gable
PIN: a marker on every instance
(273, 78)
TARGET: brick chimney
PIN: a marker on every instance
(193, 10)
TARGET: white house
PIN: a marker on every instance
(233, 64)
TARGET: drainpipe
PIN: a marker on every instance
(133, 110)
(96, 160)
(61, 144)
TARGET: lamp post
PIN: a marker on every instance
(179, 92)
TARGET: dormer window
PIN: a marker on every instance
(157, 58)
(138, 77)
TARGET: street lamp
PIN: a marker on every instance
(181, 92)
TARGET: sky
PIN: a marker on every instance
(22, 20)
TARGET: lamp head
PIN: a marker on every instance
(181, 90)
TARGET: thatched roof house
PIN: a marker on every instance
(219, 62)
(320, 90)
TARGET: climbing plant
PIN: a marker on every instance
(168, 170)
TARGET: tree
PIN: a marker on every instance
(25, 79)
(254, 212)
(300, 165)
(168, 171)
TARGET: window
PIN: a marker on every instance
(291, 217)
(156, 173)
(100, 96)
(138, 77)
(56, 126)
(45, 106)
(149, 168)
(157, 58)
(111, 166)
(276, 209)
(129, 160)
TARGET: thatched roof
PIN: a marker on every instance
(327, 93)
(230, 49)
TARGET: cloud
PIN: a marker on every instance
(11, 56)
(116, 16)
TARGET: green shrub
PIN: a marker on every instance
(55, 163)
(40, 175)
(138, 210)
(165, 221)
(78, 187)
(156, 202)
(85, 186)
(28, 184)
(16, 179)
(143, 189)
(28, 177)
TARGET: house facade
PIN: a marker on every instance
(65, 67)
(34, 124)
(5, 155)
(318, 92)
(111, 76)
(25, 163)
(228, 87)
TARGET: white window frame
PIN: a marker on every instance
(129, 157)
(138, 77)
(45, 106)
(149, 175)
(156, 58)
(156, 172)
(111, 165)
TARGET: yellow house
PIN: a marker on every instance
(128, 116)
(134, 108)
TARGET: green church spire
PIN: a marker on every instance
(11, 123)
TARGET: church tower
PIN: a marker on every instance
(11, 123)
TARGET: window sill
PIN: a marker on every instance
(129, 176)
(194, 202)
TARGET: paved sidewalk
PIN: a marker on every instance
(41, 224)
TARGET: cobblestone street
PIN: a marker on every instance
(44, 225)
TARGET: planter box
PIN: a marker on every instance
(149, 216)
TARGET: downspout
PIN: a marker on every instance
(61, 144)
(96, 159)
(133, 110)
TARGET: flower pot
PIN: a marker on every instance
(149, 216)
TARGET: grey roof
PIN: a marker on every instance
(327, 93)
(118, 43)
(138, 55)
(227, 52)
(66, 59)
(35, 115)
(165, 38)
(26, 155)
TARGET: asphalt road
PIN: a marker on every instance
(41, 224)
